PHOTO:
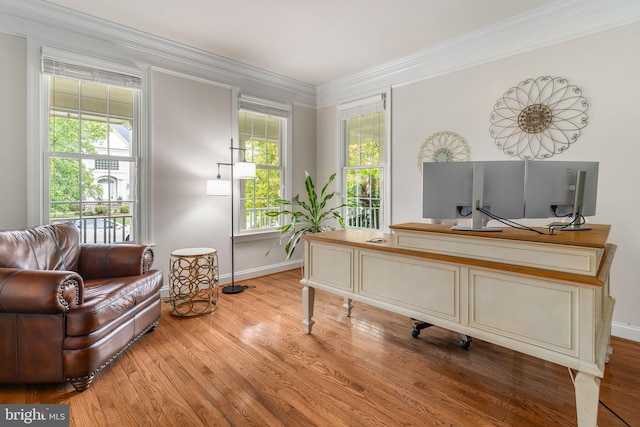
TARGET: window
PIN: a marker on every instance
(91, 151)
(363, 134)
(262, 131)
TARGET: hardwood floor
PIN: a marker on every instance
(251, 364)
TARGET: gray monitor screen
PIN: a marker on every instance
(447, 189)
(550, 188)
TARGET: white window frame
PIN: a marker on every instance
(381, 101)
(38, 134)
(242, 101)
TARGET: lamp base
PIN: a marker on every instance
(233, 289)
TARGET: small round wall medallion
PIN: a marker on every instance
(443, 146)
(538, 118)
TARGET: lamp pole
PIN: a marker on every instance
(214, 188)
(233, 289)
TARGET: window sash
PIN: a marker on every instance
(362, 107)
(118, 203)
(253, 219)
(364, 195)
(363, 176)
(263, 106)
(71, 70)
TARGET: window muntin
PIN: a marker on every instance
(364, 142)
(91, 156)
(262, 137)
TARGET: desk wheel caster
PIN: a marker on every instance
(465, 341)
(417, 327)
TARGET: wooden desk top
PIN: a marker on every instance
(596, 237)
(366, 239)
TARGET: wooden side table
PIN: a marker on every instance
(193, 281)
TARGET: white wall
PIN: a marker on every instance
(191, 130)
(328, 159)
(604, 66)
(13, 125)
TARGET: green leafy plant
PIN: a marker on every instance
(309, 217)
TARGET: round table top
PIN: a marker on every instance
(193, 252)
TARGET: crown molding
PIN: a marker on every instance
(68, 29)
(555, 23)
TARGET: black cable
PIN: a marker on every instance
(614, 413)
(463, 215)
(579, 218)
(554, 209)
(508, 222)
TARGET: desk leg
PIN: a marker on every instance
(347, 306)
(587, 398)
(308, 299)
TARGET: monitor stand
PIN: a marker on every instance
(476, 222)
(477, 196)
(575, 225)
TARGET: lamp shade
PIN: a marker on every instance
(218, 187)
(244, 170)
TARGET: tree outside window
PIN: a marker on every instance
(261, 136)
(91, 158)
(364, 139)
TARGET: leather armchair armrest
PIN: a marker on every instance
(118, 260)
(39, 291)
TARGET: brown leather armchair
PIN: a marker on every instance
(67, 310)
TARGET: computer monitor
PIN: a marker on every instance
(462, 189)
(445, 186)
(561, 189)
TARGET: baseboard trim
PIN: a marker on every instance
(626, 331)
(261, 271)
(248, 274)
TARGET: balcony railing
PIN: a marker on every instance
(257, 219)
(102, 229)
(363, 217)
(357, 217)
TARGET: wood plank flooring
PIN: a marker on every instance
(250, 364)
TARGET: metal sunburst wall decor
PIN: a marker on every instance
(538, 118)
(443, 146)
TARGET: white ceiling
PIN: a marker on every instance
(313, 41)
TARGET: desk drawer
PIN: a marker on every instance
(539, 312)
(414, 283)
(331, 265)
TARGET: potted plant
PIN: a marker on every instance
(309, 217)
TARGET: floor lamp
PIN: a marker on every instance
(220, 187)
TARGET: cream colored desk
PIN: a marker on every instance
(545, 296)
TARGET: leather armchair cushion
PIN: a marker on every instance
(102, 261)
(39, 291)
(108, 299)
(45, 247)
